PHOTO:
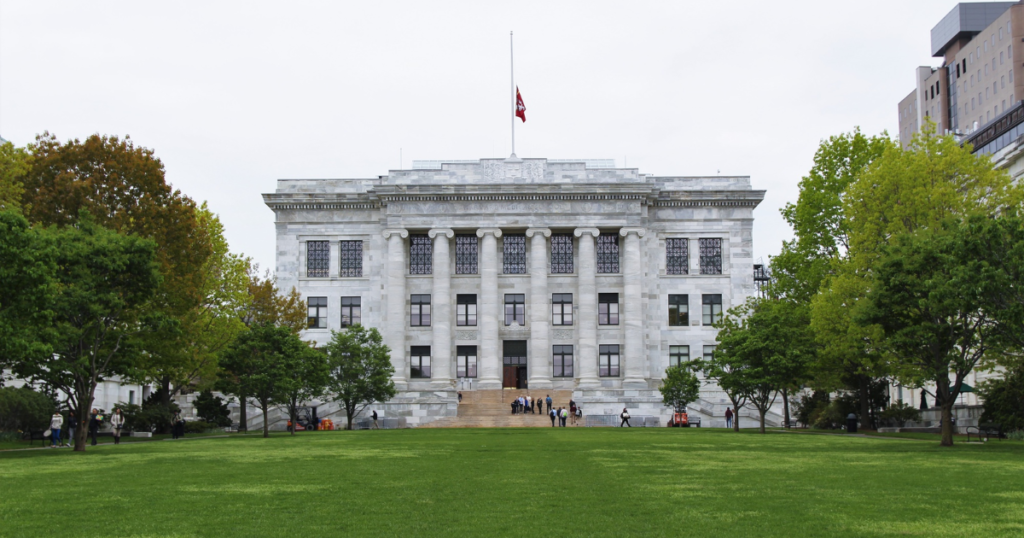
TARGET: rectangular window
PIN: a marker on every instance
(709, 353)
(465, 310)
(515, 309)
(608, 254)
(351, 258)
(711, 256)
(561, 309)
(513, 248)
(678, 355)
(712, 306)
(419, 362)
(351, 313)
(467, 248)
(421, 253)
(677, 256)
(562, 360)
(607, 308)
(1000, 57)
(420, 316)
(513, 352)
(131, 397)
(465, 361)
(608, 360)
(679, 310)
(318, 259)
(561, 254)
(317, 312)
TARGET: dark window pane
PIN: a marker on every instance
(466, 250)
(351, 258)
(561, 253)
(514, 254)
(710, 256)
(421, 254)
(677, 254)
(608, 254)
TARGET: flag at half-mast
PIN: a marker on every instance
(520, 106)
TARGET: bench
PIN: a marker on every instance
(984, 431)
(34, 436)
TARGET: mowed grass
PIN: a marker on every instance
(517, 482)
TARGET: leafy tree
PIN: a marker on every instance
(124, 189)
(1004, 400)
(103, 285)
(24, 409)
(810, 406)
(212, 409)
(361, 369)
(14, 165)
(26, 278)
(731, 377)
(263, 364)
(995, 247)
(267, 305)
(679, 388)
(927, 299)
(312, 379)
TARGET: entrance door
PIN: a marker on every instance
(514, 360)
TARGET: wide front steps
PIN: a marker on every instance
(493, 409)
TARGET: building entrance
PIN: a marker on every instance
(514, 361)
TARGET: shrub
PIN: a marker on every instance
(24, 409)
(1017, 435)
(809, 407)
(198, 426)
(212, 409)
(901, 413)
(1004, 400)
(9, 436)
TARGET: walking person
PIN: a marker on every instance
(56, 421)
(728, 417)
(514, 407)
(460, 396)
(72, 426)
(572, 410)
(565, 416)
(94, 424)
(117, 421)
(625, 418)
(579, 415)
(175, 421)
(375, 426)
(551, 413)
(529, 404)
(549, 402)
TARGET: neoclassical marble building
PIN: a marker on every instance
(523, 273)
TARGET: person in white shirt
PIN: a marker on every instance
(56, 421)
(117, 422)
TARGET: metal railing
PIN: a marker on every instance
(611, 421)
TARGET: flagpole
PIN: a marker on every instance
(512, 67)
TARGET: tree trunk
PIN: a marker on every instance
(266, 421)
(947, 423)
(735, 415)
(165, 392)
(243, 415)
(84, 398)
(762, 411)
(785, 406)
(351, 412)
(293, 415)
(863, 383)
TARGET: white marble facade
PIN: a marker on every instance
(493, 199)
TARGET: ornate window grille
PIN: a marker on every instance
(318, 259)
(677, 255)
(421, 253)
(711, 256)
(466, 254)
(351, 258)
(562, 361)
(514, 254)
(678, 355)
(607, 254)
(608, 360)
(351, 311)
(561, 254)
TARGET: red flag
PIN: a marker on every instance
(520, 106)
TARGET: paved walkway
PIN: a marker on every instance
(47, 447)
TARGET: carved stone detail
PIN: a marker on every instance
(561, 334)
(465, 335)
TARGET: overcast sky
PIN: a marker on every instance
(234, 95)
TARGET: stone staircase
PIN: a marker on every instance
(493, 409)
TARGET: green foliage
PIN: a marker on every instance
(679, 388)
(15, 164)
(212, 409)
(264, 364)
(199, 426)
(900, 413)
(810, 406)
(152, 416)
(361, 370)
(312, 379)
(27, 266)
(23, 409)
(1004, 400)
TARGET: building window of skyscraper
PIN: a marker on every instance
(1000, 57)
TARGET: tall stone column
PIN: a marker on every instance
(441, 310)
(489, 310)
(632, 280)
(587, 270)
(396, 305)
(540, 309)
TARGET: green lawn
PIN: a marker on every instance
(539, 483)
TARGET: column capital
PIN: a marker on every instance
(546, 232)
(640, 232)
(448, 232)
(496, 232)
(592, 231)
(401, 232)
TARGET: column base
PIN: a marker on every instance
(401, 385)
(634, 383)
(589, 383)
(442, 384)
(540, 383)
(488, 384)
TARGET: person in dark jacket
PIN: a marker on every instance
(177, 426)
(94, 424)
(552, 414)
(624, 415)
(72, 426)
